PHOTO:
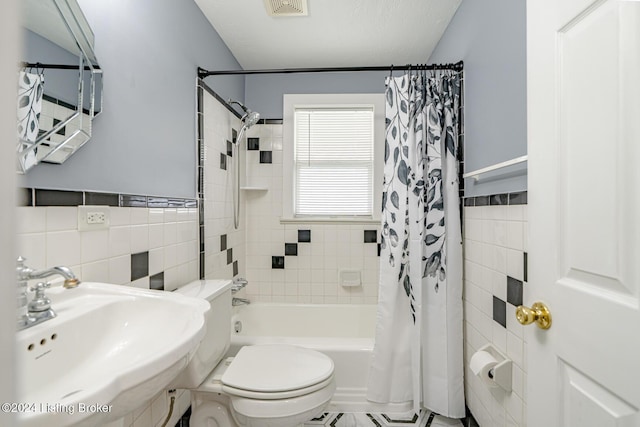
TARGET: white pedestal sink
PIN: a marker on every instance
(109, 350)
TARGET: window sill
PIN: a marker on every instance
(329, 220)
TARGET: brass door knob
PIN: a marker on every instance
(538, 313)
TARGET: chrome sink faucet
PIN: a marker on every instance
(39, 309)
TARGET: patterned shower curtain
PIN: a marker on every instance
(30, 91)
(418, 348)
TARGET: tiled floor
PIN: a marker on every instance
(425, 419)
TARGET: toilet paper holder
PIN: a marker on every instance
(501, 373)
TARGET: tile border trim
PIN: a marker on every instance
(503, 199)
(38, 197)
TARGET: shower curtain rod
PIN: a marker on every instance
(458, 66)
(54, 66)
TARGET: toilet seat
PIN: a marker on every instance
(231, 391)
(270, 386)
(276, 372)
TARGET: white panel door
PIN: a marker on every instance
(584, 212)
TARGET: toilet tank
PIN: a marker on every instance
(217, 337)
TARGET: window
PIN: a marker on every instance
(333, 156)
(333, 146)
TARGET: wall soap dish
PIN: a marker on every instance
(350, 278)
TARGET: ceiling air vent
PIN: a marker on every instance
(286, 7)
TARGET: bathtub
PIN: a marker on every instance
(344, 332)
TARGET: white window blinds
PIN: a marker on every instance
(333, 161)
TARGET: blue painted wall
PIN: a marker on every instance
(61, 84)
(264, 92)
(144, 141)
(490, 36)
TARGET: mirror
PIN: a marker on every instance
(59, 83)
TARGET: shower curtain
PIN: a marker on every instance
(30, 91)
(418, 349)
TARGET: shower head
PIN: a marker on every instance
(250, 118)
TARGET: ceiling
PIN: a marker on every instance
(336, 33)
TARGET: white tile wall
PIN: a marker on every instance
(312, 275)
(218, 192)
(49, 236)
(495, 238)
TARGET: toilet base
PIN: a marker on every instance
(210, 410)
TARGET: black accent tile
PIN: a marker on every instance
(266, 157)
(482, 201)
(139, 265)
(500, 311)
(470, 201)
(158, 202)
(201, 276)
(201, 237)
(277, 262)
(103, 199)
(514, 291)
(370, 236)
(65, 104)
(58, 198)
(24, 197)
(499, 199)
(518, 198)
(49, 98)
(253, 144)
(291, 249)
(130, 201)
(229, 256)
(200, 129)
(526, 267)
(229, 149)
(223, 242)
(223, 161)
(61, 131)
(304, 236)
(379, 248)
(201, 214)
(200, 98)
(234, 135)
(176, 203)
(235, 268)
(157, 281)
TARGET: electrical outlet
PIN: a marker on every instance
(96, 218)
(93, 218)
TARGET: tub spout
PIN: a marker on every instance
(239, 301)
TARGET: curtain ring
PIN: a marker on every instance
(391, 71)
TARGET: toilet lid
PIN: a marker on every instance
(277, 368)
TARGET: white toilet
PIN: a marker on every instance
(262, 386)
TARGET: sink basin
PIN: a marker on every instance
(110, 349)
